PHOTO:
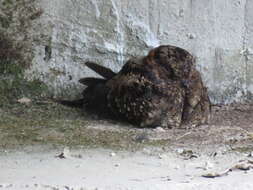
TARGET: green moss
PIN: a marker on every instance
(15, 55)
(6, 17)
(13, 84)
(5, 21)
(7, 2)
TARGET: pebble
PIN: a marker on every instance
(112, 154)
(160, 156)
(159, 129)
(250, 154)
(180, 151)
(208, 165)
(36, 185)
(191, 36)
(24, 100)
(66, 152)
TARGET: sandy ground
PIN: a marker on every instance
(39, 168)
(113, 155)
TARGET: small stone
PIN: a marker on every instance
(117, 165)
(208, 165)
(112, 154)
(191, 36)
(211, 175)
(214, 154)
(66, 152)
(180, 151)
(250, 154)
(36, 185)
(24, 100)
(159, 129)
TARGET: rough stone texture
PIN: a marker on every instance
(70, 32)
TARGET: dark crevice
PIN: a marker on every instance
(48, 53)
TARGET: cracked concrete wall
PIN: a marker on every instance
(218, 32)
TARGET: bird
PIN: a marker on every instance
(162, 89)
(143, 94)
(182, 65)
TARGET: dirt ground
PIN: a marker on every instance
(108, 154)
(104, 169)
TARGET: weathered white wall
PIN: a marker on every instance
(218, 32)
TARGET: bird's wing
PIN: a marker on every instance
(90, 81)
(101, 70)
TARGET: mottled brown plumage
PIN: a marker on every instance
(161, 89)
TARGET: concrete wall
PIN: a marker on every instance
(69, 32)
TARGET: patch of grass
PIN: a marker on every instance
(45, 122)
(13, 85)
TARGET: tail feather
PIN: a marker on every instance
(89, 81)
(101, 70)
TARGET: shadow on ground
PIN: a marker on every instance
(46, 122)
